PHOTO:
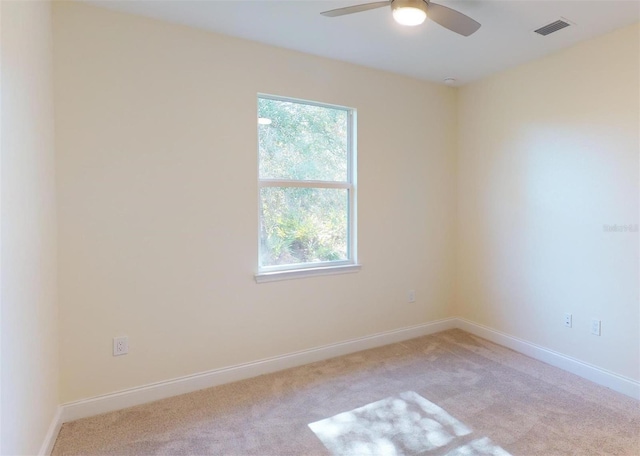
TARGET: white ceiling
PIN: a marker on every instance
(373, 39)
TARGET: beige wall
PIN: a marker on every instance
(29, 354)
(156, 155)
(548, 154)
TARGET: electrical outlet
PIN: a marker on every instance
(568, 320)
(411, 296)
(595, 327)
(120, 345)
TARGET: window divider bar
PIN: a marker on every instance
(300, 183)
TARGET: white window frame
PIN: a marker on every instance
(300, 270)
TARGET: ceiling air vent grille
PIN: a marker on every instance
(553, 27)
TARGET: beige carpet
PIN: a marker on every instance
(449, 393)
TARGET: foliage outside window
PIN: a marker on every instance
(306, 181)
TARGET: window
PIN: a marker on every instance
(306, 180)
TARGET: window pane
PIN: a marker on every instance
(300, 141)
(303, 225)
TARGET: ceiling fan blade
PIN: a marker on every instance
(354, 9)
(452, 19)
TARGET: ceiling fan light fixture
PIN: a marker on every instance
(409, 12)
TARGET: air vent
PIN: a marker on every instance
(553, 27)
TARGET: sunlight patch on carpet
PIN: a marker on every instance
(406, 424)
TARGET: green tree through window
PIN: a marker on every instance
(307, 192)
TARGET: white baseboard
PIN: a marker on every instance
(161, 390)
(52, 433)
(597, 375)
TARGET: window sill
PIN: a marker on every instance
(303, 273)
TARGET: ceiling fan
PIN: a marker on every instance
(414, 12)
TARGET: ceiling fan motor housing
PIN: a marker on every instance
(409, 4)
